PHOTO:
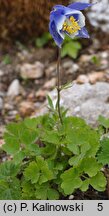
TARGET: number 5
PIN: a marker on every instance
(100, 207)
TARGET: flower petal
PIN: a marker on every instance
(59, 19)
(81, 20)
(79, 6)
(65, 10)
(83, 33)
(56, 36)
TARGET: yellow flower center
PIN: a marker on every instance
(71, 26)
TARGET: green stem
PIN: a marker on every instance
(58, 85)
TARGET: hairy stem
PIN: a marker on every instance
(58, 85)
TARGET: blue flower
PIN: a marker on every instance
(68, 20)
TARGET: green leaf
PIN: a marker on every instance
(98, 182)
(95, 60)
(75, 160)
(19, 133)
(90, 166)
(32, 172)
(41, 191)
(59, 166)
(28, 136)
(8, 169)
(19, 156)
(40, 42)
(44, 192)
(47, 151)
(7, 59)
(50, 102)
(76, 138)
(51, 137)
(11, 145)
(70, 181)
(103, 155)
(34, 149)
(103, 121)
(52, 194)
(45, 173)
(31, 123)
(85, 185)
(10, 190)
(82, 139)
(28, 190)
(66, 86)
(71, 49)
(15, 129)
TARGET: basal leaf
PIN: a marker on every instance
(74, 161)
(90, 166)
(32, 172)
(98, 182)
(31, 123)
(28, 190)
(12, 144)
(8, 169)
(10, 190)
(70, 181)
(103, 121)
(85, 185)
(103, 155)
(28, 136)
(41, 191)
(19, 156)
(51, 137)
(45, 172)
(52, 194)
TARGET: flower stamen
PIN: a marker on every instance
(71, 26)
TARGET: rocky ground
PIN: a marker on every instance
(27, 75)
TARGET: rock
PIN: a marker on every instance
(1, 73)
(104, 55)
(32, 71)
(99, 15)
(2, 142)
(96, 76)
(67, 64)
(51, 70)
(85, 58)
(50, 84)
(2, 130)
(71, 197)
(41, 95)
(82, 79)
(92, 108)
(70, 67)
(14, 89)
(8, 106)
(1, 103)
(26, 108)
(86, 101)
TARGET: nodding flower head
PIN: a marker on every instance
(68, 20)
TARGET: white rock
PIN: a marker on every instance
(14, 88)
(99, 15)
(1, 73)
(70, 67)
(71, 197)
(1, 103)
(32, 71)
(86, 101)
